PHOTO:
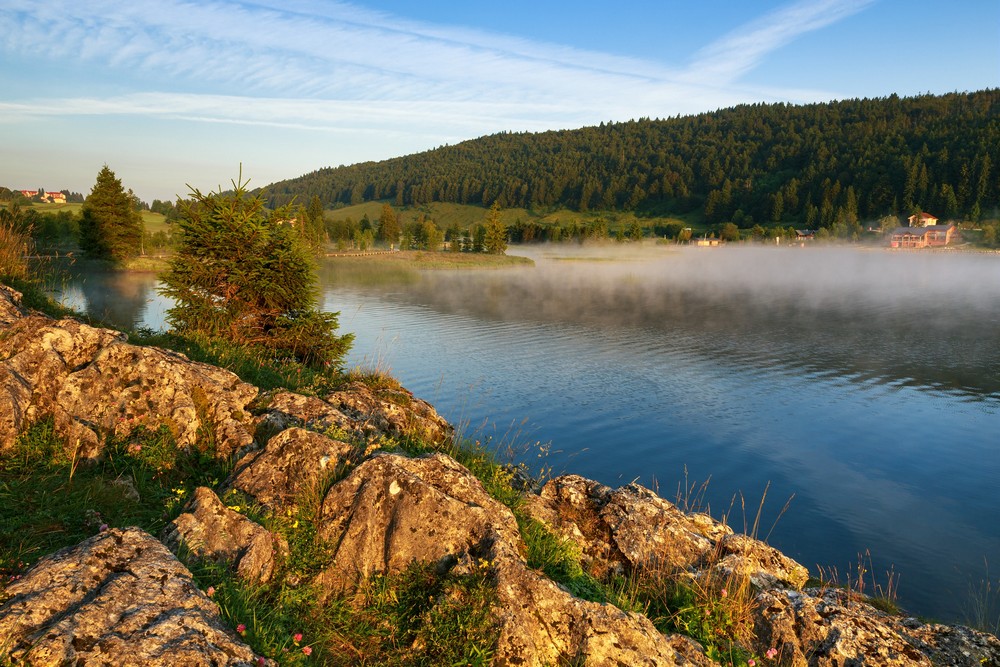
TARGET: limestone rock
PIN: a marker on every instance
(392, 510)
(766, 566)
(119, 598)
(10, 306)
(620, 529)
(94, 383)
(826, 628)
(394, 412)
(292, 463)
(284, 409)
(208, 530)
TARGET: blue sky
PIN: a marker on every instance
(176, 92)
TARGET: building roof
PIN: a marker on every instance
(920, 231)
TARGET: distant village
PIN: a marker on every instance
(46, 197)
(922, 230)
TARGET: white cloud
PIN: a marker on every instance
(724, 61)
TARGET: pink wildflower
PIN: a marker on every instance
(724, 592)
(210, 591)
(771, 652)
(261, 661)
(241, 628)
(307, 650)
(297, 637)
(102, 528)
(751, 662)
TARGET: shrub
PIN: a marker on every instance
(244, 274)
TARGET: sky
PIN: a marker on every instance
(174, 94)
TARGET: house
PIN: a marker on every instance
(922, 219)
(708, 242)
(933, 236)
(53, 197)
(805, 234)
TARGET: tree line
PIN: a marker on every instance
(813, 165)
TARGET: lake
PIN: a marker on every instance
(861, 385)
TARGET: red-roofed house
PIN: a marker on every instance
(922, 220)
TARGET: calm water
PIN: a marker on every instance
(866, 384)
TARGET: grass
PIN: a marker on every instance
(49, 500)
(423, 260)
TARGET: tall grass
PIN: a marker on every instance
(15, 249)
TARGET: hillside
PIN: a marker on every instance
(814, 165)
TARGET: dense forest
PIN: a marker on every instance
(814, 165)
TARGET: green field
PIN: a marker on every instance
(446, 215)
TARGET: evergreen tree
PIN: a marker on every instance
(496, 232)
(110, 227)
(244, 275)
(388, 225)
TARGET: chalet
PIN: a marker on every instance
(922, 220)
(933, 236)
(53, 197)
(805, 234)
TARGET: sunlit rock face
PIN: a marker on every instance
(119, 598)
(93, 384)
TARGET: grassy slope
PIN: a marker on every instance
(464, 215)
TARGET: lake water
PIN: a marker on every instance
(863, 385)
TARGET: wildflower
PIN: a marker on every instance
(210, 591)
(102, 528)
(751, 662)
(771, 652)
(261, 661)
(307, 650)
(723, 592)
(297, 637)
(241, 629)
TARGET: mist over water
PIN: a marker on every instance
(866, 383)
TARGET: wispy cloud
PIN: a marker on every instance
(314, 61)
(727, 59)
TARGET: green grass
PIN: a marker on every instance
(49, 499)
(422, 260)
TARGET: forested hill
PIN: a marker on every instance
(813, 164)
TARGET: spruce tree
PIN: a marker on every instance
(110, 227)
(244, 275)
(496, 232)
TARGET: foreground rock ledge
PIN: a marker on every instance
(121, 598)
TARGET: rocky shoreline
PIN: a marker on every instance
(124, 597)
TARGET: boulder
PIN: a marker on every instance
(285, 409)
(831, 627)
(392, 411)
(94, 383)
(392, 510)
(210, 531)
(294, 462)
(118, 598)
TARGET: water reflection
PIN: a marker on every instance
(122, 300)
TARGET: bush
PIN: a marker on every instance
(244, 274)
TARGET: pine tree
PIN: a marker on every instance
(244, 275)
(496, 232)
(110, 227)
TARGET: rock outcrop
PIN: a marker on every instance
(119, 598)
(94, 384)
(210, 531)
